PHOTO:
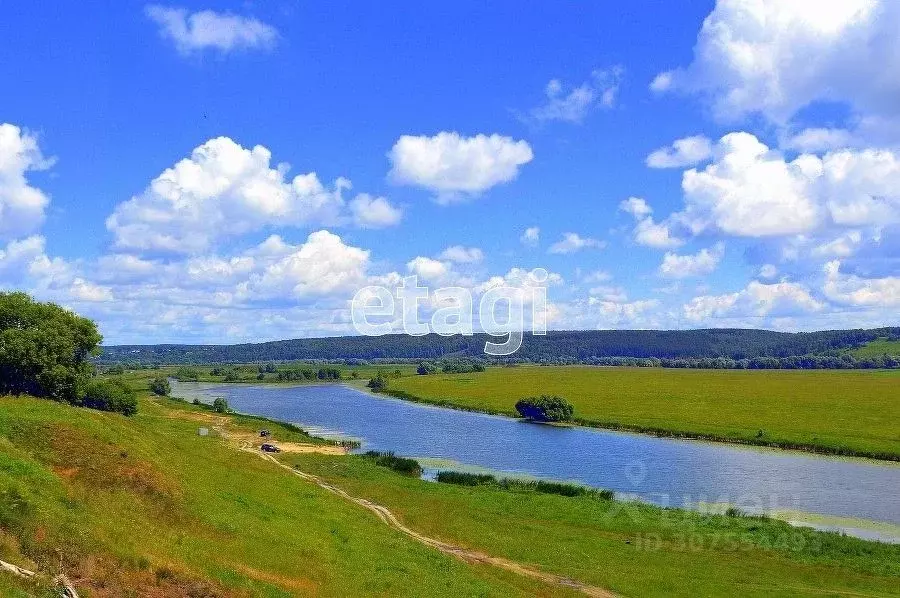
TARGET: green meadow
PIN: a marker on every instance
(878, 347)
(145, 506)
(852, 412)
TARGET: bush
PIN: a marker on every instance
(160, 386)
(403, 465)
(465, 479)
(378, 383)
(186, 374)
(110, 395)
(545, 409)
(220, 405)
(425, 369)
(480, 479)
(232, 376)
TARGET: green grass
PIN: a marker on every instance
(631, 548)
(877, 348)
(852, 412)
(145, 502)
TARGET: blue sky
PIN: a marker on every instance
(458, 125)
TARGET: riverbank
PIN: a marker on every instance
(840, 413)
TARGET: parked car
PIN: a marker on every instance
(270, 448)
(264, 433)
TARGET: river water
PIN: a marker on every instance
(860, 497)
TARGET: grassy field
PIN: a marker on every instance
(876, 348)
(839, 411)
(145, 506)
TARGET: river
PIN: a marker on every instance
(856, 496)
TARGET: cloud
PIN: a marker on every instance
(757, 300)
(225, 190)
(752, 191)
(768, 271)
(22, 206)
(531, 236)
(689, 266)
(427, 268)
(83, 290)
(843, 246)
(573, 104)
(774, 57)
(572, 242)
(322, 265)
(455, 167)
(817, 139)
(646, 231)
(205, 29)
(861, 292)
(462, 255)
(374, 212)
(683, 152)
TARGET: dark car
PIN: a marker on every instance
(265, 433)
(270, 448)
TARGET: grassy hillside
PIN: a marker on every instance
(878, 347)
(852, 412)
(145, 506)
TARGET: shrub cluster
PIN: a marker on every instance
(450, 366)
(160, 386)
(110, 395)
(545, 408)
(480, 479)
(403, 465)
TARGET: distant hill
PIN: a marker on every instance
(556, 345)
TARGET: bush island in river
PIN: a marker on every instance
(545, 408)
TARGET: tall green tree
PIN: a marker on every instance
(44, 349)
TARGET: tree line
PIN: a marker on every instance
(556, 346)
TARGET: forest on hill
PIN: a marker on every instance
(589, 346)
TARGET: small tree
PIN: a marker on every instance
(378, 383)
(220, 405)
(545, 409)
(160, 386)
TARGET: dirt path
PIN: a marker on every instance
(469, 556)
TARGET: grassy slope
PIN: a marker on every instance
(145, 503)
(614, 545)
(877, 348)
(853, 411)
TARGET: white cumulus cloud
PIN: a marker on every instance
(683, 152)
(572, 242)
(858, 291)
(225, 190)
(454, 167)
(195, 31)
(774, 57)
(462, 255)
(22, 206)
(688, 266)
(374, 212)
